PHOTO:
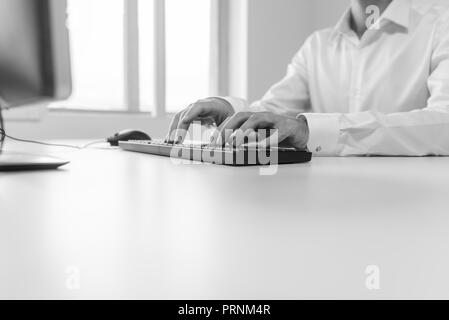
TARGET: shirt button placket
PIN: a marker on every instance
(355, 90)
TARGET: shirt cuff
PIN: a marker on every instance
(238, 104)
(324, 132)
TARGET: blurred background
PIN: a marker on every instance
(137, 62)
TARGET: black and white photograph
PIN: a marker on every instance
(224, 155)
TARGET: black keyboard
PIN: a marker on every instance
(242, 156)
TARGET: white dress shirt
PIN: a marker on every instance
(384, 94)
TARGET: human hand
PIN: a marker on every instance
(207, 111)
(247, 126)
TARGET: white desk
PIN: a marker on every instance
(138, 226)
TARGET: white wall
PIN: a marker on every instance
(326, 13)
(276, 31)
(83, 125)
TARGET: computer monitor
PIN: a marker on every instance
(34, 53)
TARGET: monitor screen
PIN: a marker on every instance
(27, 55)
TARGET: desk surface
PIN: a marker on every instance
(114, 224)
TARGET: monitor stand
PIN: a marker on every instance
(14, 161)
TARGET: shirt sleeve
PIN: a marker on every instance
(290, 96)
(417, 133)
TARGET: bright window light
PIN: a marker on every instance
(188, 52)
(146, 53)
(97, 52)
(96, 41)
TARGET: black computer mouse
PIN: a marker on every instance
(127, 135)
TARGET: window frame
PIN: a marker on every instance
(219, 17)
(42, 122)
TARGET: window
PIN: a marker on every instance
(96, 45)
(188, 51)
(139, 55)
